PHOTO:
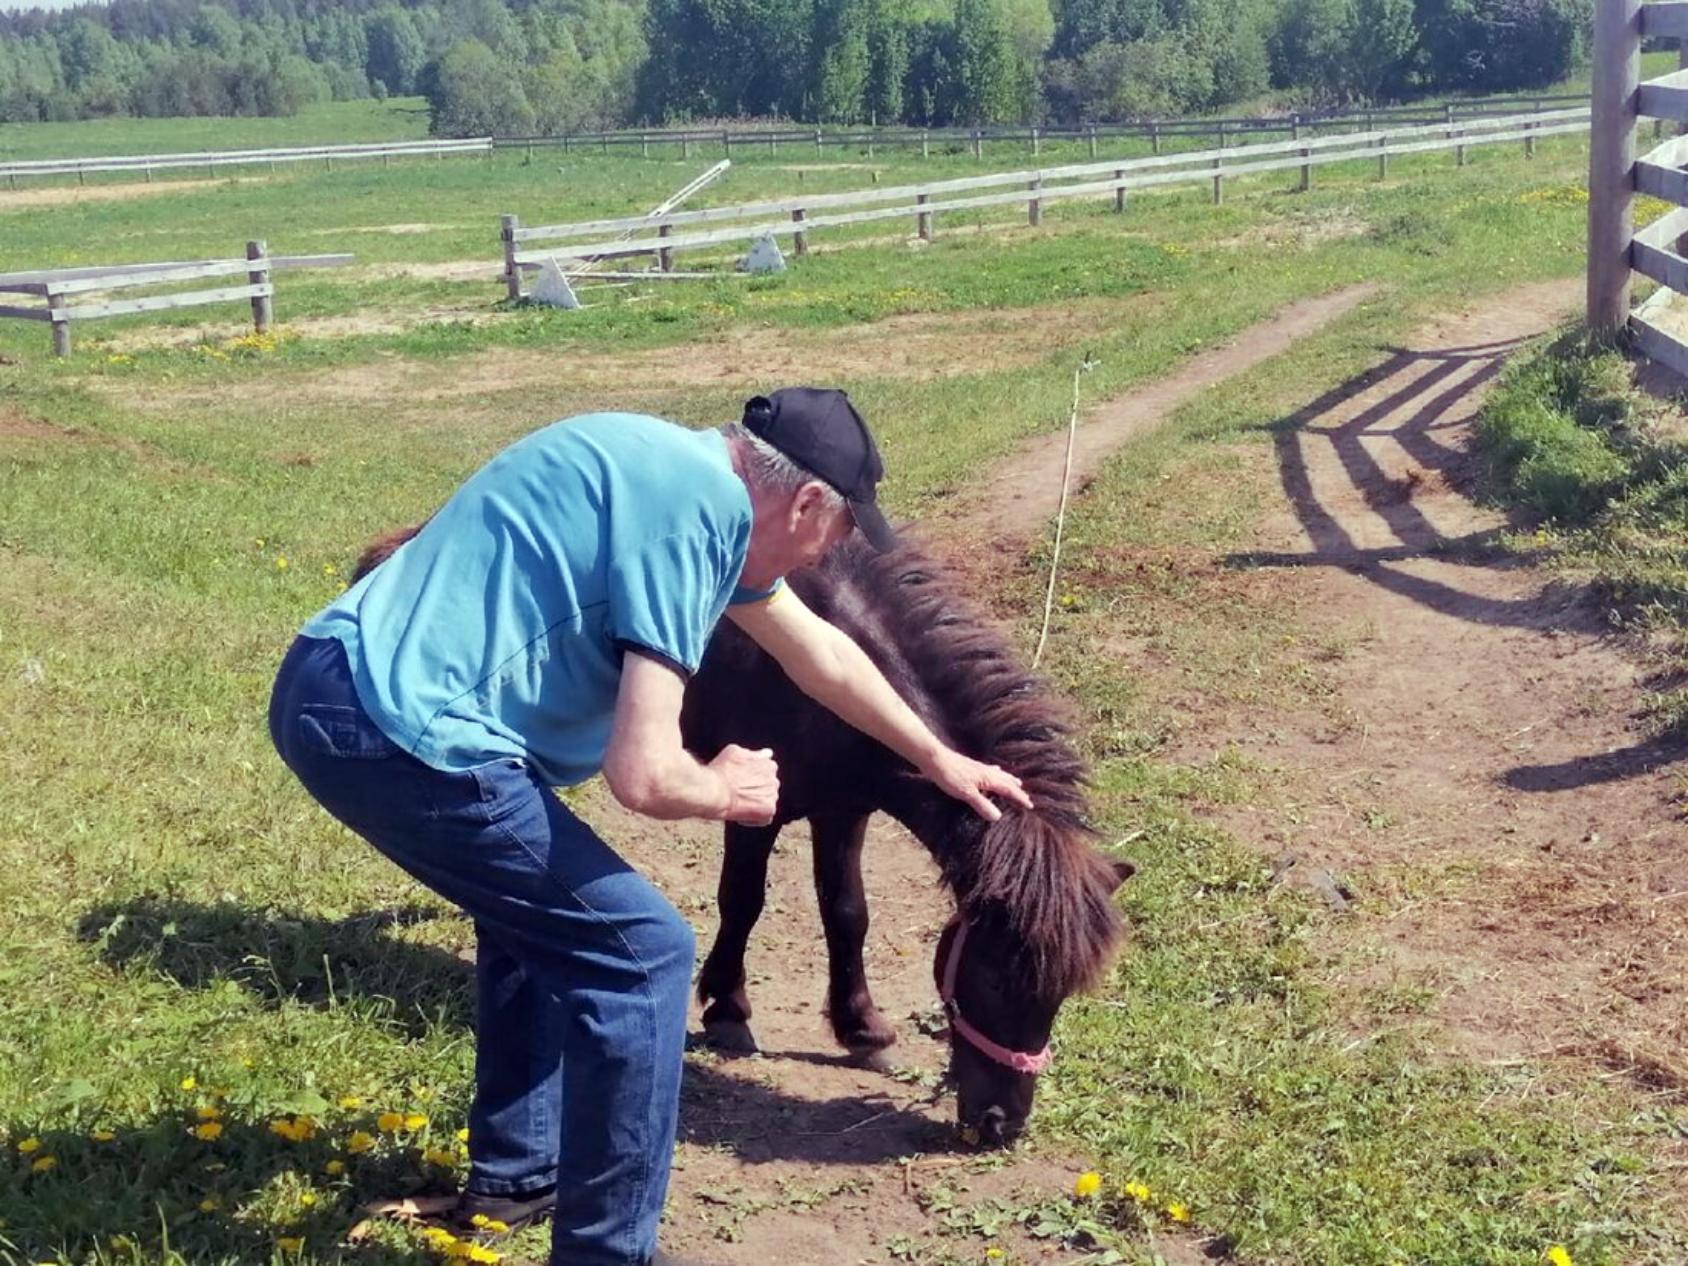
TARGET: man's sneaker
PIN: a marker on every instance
(480, 1213)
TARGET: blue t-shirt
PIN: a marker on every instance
(498, 630)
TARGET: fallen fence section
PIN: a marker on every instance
(794, 217)
(211, 160)
(63, 288)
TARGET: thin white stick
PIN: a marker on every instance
(1082, 367)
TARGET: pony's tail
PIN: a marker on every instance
(377, 551)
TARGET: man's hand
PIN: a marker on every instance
(972, 781)
(753, 784)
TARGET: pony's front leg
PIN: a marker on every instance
(720, 985)
(838, 883)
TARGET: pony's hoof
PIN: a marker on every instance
(732, 1037)
(874, 1059)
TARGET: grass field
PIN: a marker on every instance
(226, 1023)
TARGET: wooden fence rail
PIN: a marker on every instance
(58, 287)
(1153, 130)
(211, 160)
(1616, 251)
(526, 248)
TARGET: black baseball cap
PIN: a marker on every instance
(820, 430)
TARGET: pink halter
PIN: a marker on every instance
(1019, 1061)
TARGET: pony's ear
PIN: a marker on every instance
(1124, 868)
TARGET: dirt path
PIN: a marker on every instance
(1024, 492)
(1490, 723)
(1490, 726)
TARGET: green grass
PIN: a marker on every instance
(173, 907)
(1603, 466)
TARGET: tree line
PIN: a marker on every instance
(523, 66)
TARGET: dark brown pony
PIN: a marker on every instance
(1034, 897)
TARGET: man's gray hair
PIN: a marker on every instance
(769, 468)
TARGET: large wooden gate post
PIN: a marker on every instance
(1611, 164)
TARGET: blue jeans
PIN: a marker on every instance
(582, 971)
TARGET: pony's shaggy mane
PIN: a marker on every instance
(1039, 868)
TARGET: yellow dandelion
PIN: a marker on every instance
(438, 1236)
(280, 563)
(458, 1250)
(307, 1199)
(1139, 1192)
(190, 1083)
(359, 1141)
(209, 1131)
(1178, 1212)
(350, 1101)
(335, 1167)
(329, 569)
(1559, 1255)
(205, 1112)
(102, 1136)
(210, 1204)
(42, 1164)
(497, 1226)
(415, 1121)
(294, 1129)
(1087, 1185)
(28, 1145)
(290, 1243)
(390, 1122)
(481, 1253)
(993, 1252)
(439, 1156)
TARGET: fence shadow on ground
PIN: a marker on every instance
(1359, 517)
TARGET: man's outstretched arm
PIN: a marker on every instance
(828, 666)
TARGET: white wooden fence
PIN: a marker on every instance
(527, 248)
(1615, 176)
(213, 159)
(66, 290)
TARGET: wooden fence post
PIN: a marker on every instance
(685, 147)
(1154, 136)
(978, 145)
(1218, 182)
(925, 143)
(1383, 158)
(817, 142)
(262, 311)
(644, 145)
(512, 274)
(1119, 192)
(1034, 204)
(1037, 146)
(727, 142)
(1611, 164)
(923, 219)
(1529, 140)
(665, 256)
(1092, 140)
(799, 239)
(61, 325)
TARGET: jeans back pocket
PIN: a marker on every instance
(333, 729)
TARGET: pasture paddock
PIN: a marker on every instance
(1293, 1080)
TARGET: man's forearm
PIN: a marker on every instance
(848, 683)
(678, 787)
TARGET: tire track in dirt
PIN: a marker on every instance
(795, 1156)
(1491, 725)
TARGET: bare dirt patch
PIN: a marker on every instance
(69, 195)
(915, 346)
(1487, 730)
(1025, 490)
